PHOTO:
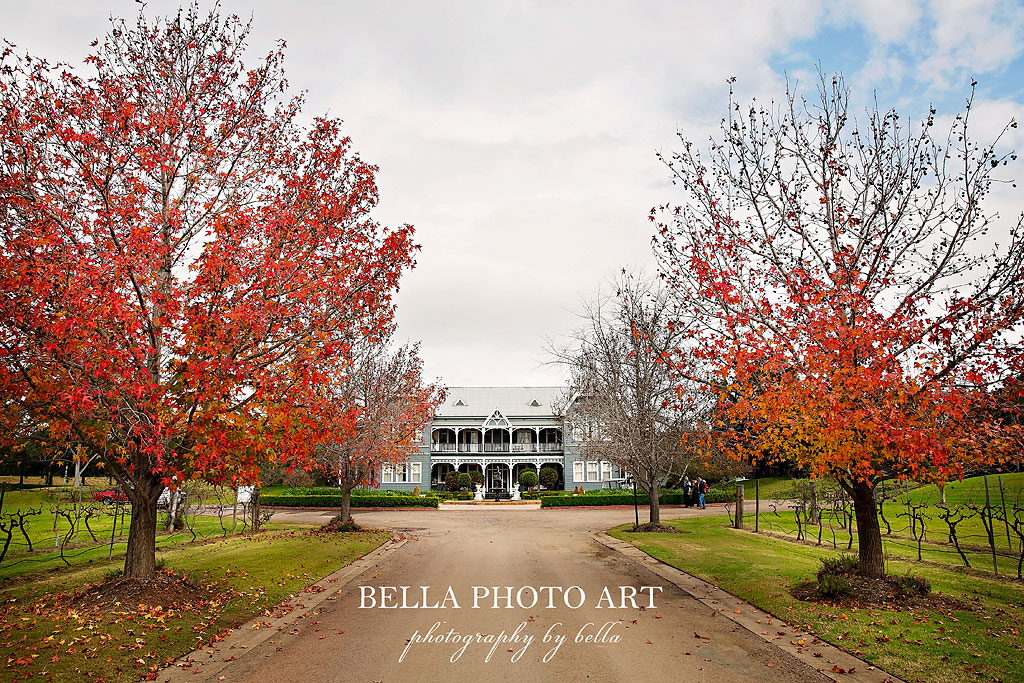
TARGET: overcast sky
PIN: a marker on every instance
(520, 137)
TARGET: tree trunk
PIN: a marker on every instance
(654, 494)
(254, 504)
(942, 494)
(172, 510)
(140, 557)
(869, 534)
(346, 504)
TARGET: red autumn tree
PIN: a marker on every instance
(180, 257)
(375, 408)
(846, 289)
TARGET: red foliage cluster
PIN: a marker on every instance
(183, 263)
(841, 306)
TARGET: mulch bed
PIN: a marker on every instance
(658, 528)
(336, 526)
(885, 593)
(125, 594)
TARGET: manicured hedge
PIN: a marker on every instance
(451, 495)
(623, 499)
(333, 490)
(333, 500)
(536, 495)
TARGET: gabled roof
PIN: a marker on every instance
(511, 402)
(496, 420)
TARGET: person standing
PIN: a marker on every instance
(687, 492)
(702, 488)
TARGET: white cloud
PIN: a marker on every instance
(887, 20)
(970, 37)
(519, 137)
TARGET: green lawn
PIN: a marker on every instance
(47, 531)
(902, 531)
(45, 632)
(767, 487)
(934, 546)
(972, 490)
(979, 640)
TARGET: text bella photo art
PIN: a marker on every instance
(508, 597)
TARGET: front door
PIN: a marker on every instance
(496, 479)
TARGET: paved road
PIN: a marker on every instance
(499, 547)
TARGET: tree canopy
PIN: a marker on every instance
(840, 277)
(180, 257)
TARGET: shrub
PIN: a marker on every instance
(375, 499)
(297, 478)
(464, 480)
(843, 565)
(477, 477)
(914, 584)
(548, 477)
(449, 495)
(271, 474)
(451, 481)
(833, 586)
(416, 491)
(608, 497)
(528, 479)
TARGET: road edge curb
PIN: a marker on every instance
(254, 632)
(755, 620)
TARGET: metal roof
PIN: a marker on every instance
(511, 401)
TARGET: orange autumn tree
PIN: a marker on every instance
(180, 257)
(376, 406)
(844, 285)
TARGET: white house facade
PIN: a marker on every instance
(499, 432)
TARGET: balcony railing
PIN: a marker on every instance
(496, 448)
